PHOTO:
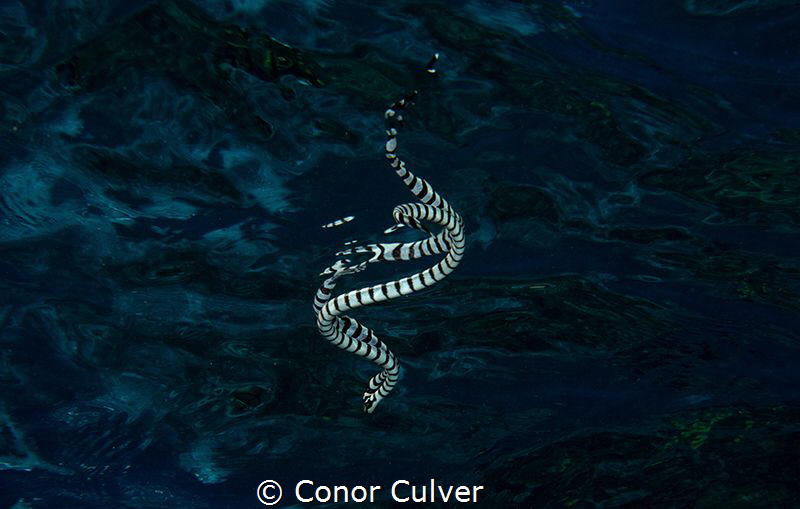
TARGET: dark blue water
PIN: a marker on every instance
(622, 332)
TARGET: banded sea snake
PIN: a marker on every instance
(346, 332)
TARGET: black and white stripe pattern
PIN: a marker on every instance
(347, 333)
(338, 222)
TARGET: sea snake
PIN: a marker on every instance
(346, 332)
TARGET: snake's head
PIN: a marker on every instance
(340, 269)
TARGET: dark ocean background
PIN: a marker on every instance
(622, 332)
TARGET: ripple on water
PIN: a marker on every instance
(25, 202)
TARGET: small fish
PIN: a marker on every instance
(338, 222)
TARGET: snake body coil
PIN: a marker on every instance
(347, 333)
